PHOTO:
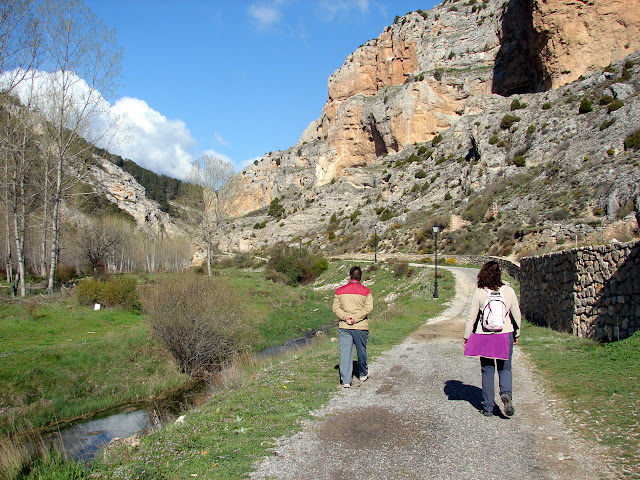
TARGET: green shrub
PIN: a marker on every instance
(87, 291)
(400, 270)
(508, 120)
(493, 140)
(296, 265)
(632, 142)
(517, 105)
(585, 106)
(65, 273)
(387, 214)
(615, 105)
(421, 174)
(607, 123)
(275, 208)
(531, 129)
(611, 152)
(447, 196)
(519, 161)
(120, 291)
(546, 105)
(436, 140)
(606, 99)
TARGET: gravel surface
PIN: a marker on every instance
(417, 417)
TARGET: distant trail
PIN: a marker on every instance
(417, 418)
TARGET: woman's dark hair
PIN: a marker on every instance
(490, 276)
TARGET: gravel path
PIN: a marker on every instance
(417, 418)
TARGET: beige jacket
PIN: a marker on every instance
(353, 299)
(477, 303)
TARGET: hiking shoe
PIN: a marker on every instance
(346, 385)
(487, 413)
(365, 378)
(508, 405)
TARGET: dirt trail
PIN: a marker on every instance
(417, 418)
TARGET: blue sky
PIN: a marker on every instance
(238, 78)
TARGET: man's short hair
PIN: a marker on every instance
(355, 273)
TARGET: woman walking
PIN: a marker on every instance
(491, 330)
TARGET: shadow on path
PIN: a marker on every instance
(456, 390)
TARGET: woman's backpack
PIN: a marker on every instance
(495, 311)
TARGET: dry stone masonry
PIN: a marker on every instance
(592, 292)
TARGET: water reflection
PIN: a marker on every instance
(81, 440)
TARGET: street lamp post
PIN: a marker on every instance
(435, 287)
(375, 243)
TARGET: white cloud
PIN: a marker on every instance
(145, 136)
(153, 141)
(265, 15)
(219, 140)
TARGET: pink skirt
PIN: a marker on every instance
(493, 345)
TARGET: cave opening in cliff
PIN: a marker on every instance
(518, 65)
(376, 137)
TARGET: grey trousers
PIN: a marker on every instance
(347, 338)
(488, 367)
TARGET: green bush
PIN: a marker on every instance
(546, 105)
(436, 140)
(585, 106)
(447, 196)
(493, 140)
(606, 99)
(65, 273)
(120, 291)
(517, 105)
(387, 214)
(519, 161)
(531, 129)
(296, 265)
(275, 208)
(611, 152)
(421, 174)
(615, 105)
(400, 270)
(87, 291)
(508, 120)
(117, 291)
(607, 123)
(632, 142)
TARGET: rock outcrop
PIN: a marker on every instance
(418, 77)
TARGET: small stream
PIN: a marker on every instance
(82, 438)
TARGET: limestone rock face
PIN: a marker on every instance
(585, 35)
(122, 189)
(422, 74)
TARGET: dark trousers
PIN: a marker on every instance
(505, 379)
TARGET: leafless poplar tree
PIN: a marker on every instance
(84, 62)
(210, 173)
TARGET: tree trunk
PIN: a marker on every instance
(53, 258)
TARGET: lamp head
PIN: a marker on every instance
(436, 228)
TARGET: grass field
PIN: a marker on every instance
(67, 361)
(599, 386)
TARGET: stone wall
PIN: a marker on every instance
(590, 292)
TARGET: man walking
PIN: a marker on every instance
(352, 305)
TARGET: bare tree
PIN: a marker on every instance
(98, 244)
(210, 173)
(84, 62)
(20, 51)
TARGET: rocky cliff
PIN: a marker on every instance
(417, 77)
